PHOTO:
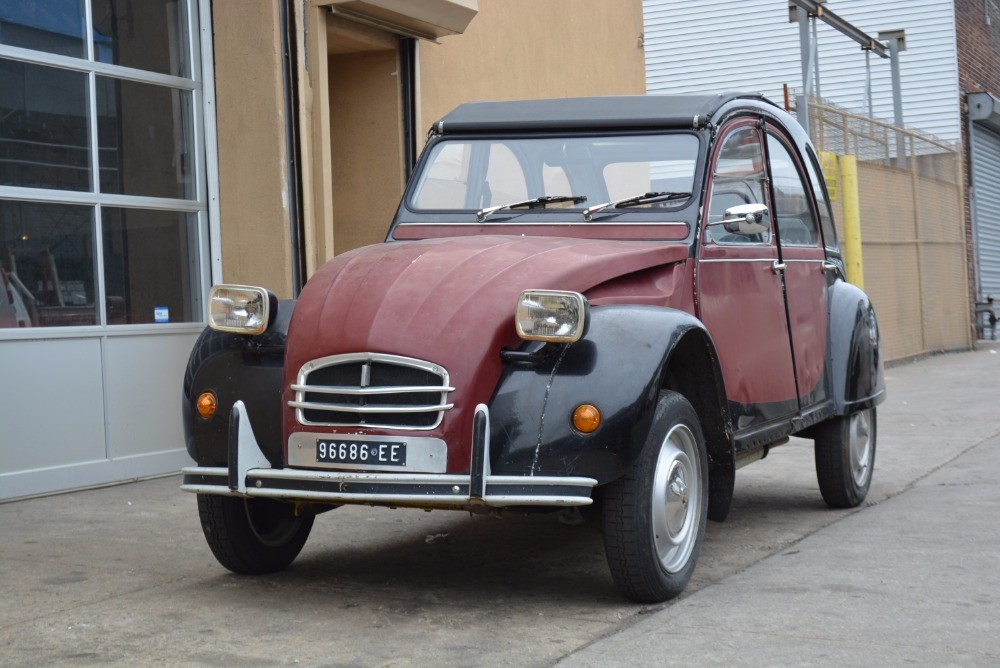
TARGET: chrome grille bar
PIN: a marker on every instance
(414, 397)
(371, 408)
(387, 389)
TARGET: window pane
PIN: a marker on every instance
(48, 265)
(738, 179)
(151, 266)
(43, 127)
(504, 177)
(144, 135)
(145, 34)
(470, 174)
(53, 26)
(796, 224)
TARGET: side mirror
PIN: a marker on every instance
(745, 219)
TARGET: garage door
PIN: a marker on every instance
(986, 181)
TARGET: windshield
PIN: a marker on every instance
(475, 174)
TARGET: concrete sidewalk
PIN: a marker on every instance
(123, 575)
(913, 580)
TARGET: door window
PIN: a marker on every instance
(796, 222)
(739, 179)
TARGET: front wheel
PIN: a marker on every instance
(253, 536)
(845, 457)
(654, 516)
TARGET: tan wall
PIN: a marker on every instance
(366, 144)
(513, 49)
(256, 247)
(529, 49)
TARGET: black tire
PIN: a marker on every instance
(662, 500)
(253, 536)
(845, 458)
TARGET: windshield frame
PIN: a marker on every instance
(410, 213)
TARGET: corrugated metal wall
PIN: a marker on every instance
(712, 45)
(986, 179)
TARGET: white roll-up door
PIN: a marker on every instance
(986, 184)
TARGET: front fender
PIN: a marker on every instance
(618, 366)
(855, 353)
(236, 367)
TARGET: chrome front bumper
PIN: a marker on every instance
(250, 475)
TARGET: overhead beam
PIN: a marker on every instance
(844, 27)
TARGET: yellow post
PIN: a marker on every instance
(852, 220)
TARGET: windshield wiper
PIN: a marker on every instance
(635, 200)
(531, 204)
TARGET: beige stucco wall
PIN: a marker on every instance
(527, 49)
(253, 188)
(513, 49)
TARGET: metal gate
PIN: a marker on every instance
(986, 190)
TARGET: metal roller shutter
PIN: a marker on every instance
(986, 184)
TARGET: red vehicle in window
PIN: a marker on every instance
(614, 302)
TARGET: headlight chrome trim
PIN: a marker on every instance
(258, 306)
(561, 306)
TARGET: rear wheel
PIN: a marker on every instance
(654, 516)
(845, 457)
(252, 536)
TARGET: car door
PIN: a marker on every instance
(802, 253)
(740, 295)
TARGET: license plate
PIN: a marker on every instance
(381, 453)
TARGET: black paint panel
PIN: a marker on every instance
(617, 366)
(236, 367)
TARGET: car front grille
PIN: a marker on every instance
(371, 390)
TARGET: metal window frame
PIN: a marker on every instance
(196, 15)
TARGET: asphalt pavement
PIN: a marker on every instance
(122, 575)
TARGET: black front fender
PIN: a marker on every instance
(236, 367)
(618, 366)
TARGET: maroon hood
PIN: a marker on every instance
(448, 301)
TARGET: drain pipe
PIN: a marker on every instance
(292, 153)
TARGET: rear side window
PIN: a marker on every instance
(792, 208)
(822, 201)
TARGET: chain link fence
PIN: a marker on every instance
(912, 228)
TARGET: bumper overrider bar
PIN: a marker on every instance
(250, 475)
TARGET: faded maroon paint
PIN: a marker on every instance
(623, 231)
(673, 288)
(741, 303)
(447, 301)
(805, 286)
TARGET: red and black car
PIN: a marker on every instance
(610, 301)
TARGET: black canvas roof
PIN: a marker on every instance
(581, 113)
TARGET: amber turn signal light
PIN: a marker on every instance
(586, 418)
(207, 405)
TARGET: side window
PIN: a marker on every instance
(739, 178)
(796, 221)
(825, 213)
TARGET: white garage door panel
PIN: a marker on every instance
(986, 183)
(144, 375)
(51, 404)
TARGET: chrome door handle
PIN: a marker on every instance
(829, 266)
(778, 267)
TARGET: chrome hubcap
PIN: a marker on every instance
(676, 499)
(860, 447)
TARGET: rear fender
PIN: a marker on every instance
(855, 350)
(624, 360)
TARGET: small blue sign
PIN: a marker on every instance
(161, 314)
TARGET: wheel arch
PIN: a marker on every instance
(692, 370)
